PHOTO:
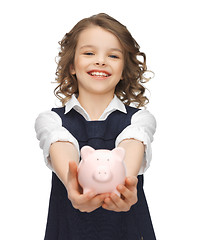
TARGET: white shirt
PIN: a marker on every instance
(49, 128)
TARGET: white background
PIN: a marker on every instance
(30, 31)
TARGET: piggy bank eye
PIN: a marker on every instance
(108, 159)
(97, 159)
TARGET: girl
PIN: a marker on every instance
(99, 74)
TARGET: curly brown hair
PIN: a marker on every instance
(130, 89)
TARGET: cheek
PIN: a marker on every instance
(118, 66)
(80, 65)
(119, 70)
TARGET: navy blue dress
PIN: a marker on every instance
(67, 223)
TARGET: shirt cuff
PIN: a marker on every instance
(49, 130)
(142, 128)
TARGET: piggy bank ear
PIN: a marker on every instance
(86, 151)
(120, 152)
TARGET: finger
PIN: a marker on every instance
(79, 200)
(130, 196)
(118, 202)
(98, 199)
(131, 182)
(91, 199)
(109, 204)
(124, 191)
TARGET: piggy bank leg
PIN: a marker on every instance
(116, 192)
(86, 190)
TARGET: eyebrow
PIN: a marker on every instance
(111, 49)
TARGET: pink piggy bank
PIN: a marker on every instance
(101, 170)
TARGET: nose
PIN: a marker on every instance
(102, 174)
(100, 61)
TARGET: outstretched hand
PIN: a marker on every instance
(87, 202)
(127, 199)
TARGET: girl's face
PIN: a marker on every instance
(98, 62)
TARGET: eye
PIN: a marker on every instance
(108, 159)
(113, 56)
(88, 53)
(97, 159)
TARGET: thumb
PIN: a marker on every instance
(72, 170)
(72, 179)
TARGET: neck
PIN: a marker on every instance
(95, 104)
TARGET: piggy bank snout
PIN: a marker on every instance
(102, 174)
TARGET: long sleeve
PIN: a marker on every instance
(48, 126)
(142, 128)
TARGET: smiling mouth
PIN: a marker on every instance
(99, 74)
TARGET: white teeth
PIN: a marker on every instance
(101, 74)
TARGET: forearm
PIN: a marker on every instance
(134, 155)
(61, 153)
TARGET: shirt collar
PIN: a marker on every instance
(115, 104)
